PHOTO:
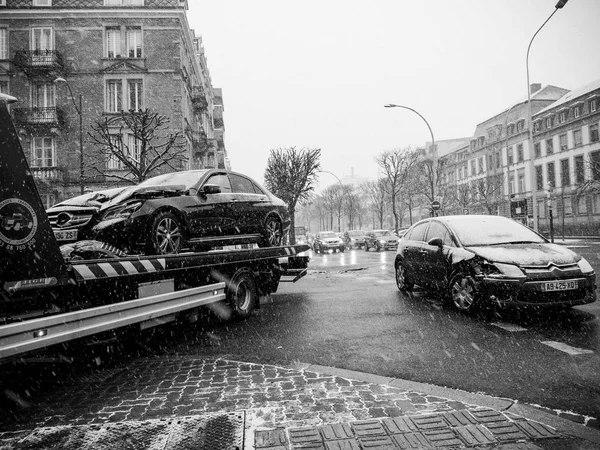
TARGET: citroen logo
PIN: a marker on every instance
(62, 219)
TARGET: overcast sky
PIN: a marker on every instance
(316, 73)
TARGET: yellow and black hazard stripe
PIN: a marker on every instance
(93, 271)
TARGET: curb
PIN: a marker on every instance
(562, 425)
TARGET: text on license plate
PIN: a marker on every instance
(559, 286)
(66, 235)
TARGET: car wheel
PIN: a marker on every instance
(342, 249)
(166, 235)
(462, 292)
(378, 247)
(273, 233)
(242, 293)
(401, 280)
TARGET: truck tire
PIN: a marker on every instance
(166, 235)
(242, 294)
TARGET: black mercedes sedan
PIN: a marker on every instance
(480, 260)
(195, 209)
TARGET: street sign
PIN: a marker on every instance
(435, 205)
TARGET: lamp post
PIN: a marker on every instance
(434, 155)
(80, 113)
(559, 5)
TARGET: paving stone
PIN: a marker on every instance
(411, 441)
(536, 430)
(376, 443)
(270, 438)
(429, 422)
(304, 435)
(442, 437)
(343, 444)
(505, 431)
(336, 431)
(475, 435)
(368, 428)
(488, 416)
(459, 418)
(398, 425)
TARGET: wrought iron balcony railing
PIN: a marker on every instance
(39, 116)
(199, 102)
(38, 61)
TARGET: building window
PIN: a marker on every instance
(568, 205)
(42, 153)
(537, 126)
(595, 165)
(576, 112)
(551, 175)
(549, 147)
(497, 160)
(537, 150)
(134, 42)
(511, 184)
(520, 153)
(113, 42)
(562, 117)
(520, 125)
(579, 169)
(3, 87)
(116, 102)
(135, 90)
(594, 132)
(549, 122)
(114, 96)
(576, 138)
(472, 164)
(460, 175)
(3, 43)
(539, 178)
(41, 40)
(565, 175)
(509, 156)
(480, 164)
(42, 95)
(490, 161)
(134, 148)
(582, 205)
(562, 139)
(510, 129)
(521, 181)
(123, 2)
(42, 2)
(593, 105)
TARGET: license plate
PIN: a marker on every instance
(66, 235)
(551, 286)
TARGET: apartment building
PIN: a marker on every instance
(496, 172)
(73, 63)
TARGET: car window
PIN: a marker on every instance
(221, 180)
(327, 235)
(241, 184)
(258, 189)
(418, 232)
(436, 229)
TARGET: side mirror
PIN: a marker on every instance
(210, 189)
(437, 242)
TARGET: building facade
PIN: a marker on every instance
(497, 171)
(74, 63)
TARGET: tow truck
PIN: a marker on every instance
(47, 300)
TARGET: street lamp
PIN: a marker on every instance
(558, 6)
(434, 155)
(80, 113)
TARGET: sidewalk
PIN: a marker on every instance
(190, 402)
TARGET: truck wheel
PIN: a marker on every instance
(273, 233)
(166, 235)
(242, 293)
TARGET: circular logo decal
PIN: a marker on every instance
(18, 222)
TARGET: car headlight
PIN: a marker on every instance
(123, 212)
(506, 271)
(585, 266)
(381, 241)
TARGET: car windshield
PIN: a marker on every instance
(381, 233)
(328, 235)
(478, 231)
(187, 179)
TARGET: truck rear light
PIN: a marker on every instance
(40, 333)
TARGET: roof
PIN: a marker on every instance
(572, 95)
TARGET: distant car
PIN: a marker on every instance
(327, 240)
(354, 239)
(401, 232)
(481, 260)
(381, 240)
(194, 209)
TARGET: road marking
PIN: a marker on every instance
(567, 348)
(509, 327)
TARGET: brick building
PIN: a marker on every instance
(115, 55)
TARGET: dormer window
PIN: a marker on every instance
(481, 141)
(562, 117)
(576, 111)
(549, 122)
(593, 105)
(537, 126)
(510, 129)
(520, 125)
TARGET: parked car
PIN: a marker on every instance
(381, 240)
(354, 239)
(482, 260)
(70, 217)
(195, 209)
(327, 240)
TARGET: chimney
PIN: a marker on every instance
(534, 87)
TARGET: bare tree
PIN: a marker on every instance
(375, 191)
(135, 145)
(352, 206)
(397, 166)
(291, 175)
(487, 192)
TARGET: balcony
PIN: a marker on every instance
(39, 117)
(48, 173)
(39, 62)
(199, 102)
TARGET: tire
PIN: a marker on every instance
(273, 233)
(166, 235)
(242, 294)
(401, 281)
(462, 292)
(342, 249)
(378, 247)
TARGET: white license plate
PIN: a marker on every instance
(66, 235)
(551, 286)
